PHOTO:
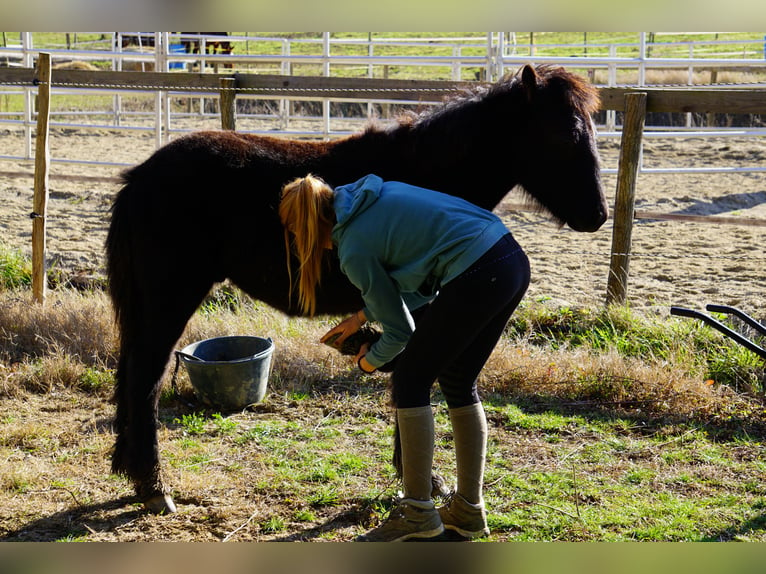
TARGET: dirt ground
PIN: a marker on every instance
(674, 263)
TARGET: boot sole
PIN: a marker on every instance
(428, 536)
(454, 532)
(424, 536)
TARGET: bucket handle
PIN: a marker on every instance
(265, 352)
(174, 379)
(188, 356)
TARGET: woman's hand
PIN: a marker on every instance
(345, 328)
(361, 359)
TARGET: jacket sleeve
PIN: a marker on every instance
(383, 303)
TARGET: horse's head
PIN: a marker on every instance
(559, 164)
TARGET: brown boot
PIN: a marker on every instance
(468, 520)
(410, 520)
(464, 512)
(415, 516)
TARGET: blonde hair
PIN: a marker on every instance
(306, 211)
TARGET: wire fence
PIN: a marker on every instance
(177, 110)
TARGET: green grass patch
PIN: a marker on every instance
(192, 423)
(15, 268)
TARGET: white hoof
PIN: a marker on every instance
(161, 504)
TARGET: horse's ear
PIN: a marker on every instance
(529, 81)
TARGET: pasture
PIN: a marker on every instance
(619, 424)
(652, 429)
(612, 439)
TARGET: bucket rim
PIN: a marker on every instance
(188, 352)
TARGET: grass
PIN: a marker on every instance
(603, 427)
(608, 479)
(15, 268)
(548, 43)
(647, 339)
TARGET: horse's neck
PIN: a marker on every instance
(427, 159)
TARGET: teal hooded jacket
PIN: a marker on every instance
(399, 244)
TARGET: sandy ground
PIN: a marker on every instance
(674, 263)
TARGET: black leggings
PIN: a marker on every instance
(456, 334)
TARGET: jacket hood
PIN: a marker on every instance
(355, 198)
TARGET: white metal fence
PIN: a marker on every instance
(631, 60)
(459, 58)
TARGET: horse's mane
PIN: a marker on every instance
(580, 94)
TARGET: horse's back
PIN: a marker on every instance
(201, 209)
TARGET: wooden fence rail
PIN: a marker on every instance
(660, 99)
(634, 102)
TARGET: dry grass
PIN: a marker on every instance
(311, 461)
(680, 77)
(54, 346)
(579, 377)
(71, 323)
(72, 343)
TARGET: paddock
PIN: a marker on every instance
(707, 246)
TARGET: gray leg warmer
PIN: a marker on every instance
(469, 427)
(416, 430)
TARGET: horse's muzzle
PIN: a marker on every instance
(590, 223)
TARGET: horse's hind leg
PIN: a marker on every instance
(147, 342)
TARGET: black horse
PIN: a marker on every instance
(203, 209)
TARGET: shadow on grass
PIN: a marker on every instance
(743, 530)
(359, 513)
(112, 515)
(70, 523)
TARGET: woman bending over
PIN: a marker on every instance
(411, 249)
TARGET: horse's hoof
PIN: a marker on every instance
(160, 504)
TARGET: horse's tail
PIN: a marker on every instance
(119, 256)
(123, 293)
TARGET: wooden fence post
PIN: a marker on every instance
(228, 95)
(624, 210)
(42, 159)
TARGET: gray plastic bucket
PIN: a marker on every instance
(229, 372)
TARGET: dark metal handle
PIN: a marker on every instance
(744, 341)
(741, 314)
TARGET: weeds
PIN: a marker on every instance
(224, 425)
(94, 380)
(274, 524)
(192, 423)
(16, 270)
(650, 340)
(324, 496)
